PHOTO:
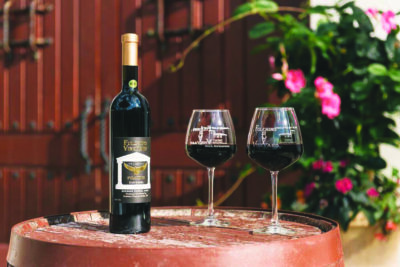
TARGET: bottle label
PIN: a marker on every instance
(131, 169)
(132, 84)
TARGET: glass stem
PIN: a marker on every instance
(274, 180)
(210, 191)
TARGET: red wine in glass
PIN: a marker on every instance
(210, 141)
(209, 155)
(275, 158)
(274, 142)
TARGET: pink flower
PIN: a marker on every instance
(344, 185)
(317, 165)
(343, 163)
(308, 189)
(271, 61)
(324, 88)
(277, 76)
(295, 81)
(387, 20)
(390, 226)
(328, 167)
(331, 106)
(372, 11)
(372, 192)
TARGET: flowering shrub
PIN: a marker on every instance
(344, 83)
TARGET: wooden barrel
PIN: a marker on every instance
(83, 239)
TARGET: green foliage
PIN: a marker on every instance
(261, 30)
(365, 73)
(260, 6)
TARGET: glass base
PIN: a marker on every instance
(210, 221)
(276, 229)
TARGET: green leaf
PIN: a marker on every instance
(359, 86)
(362, 19)
(359, 197)
(377, 69)
(264, 6)
(349, 4)
(394, 75)
(259, 48)
(319, 142)
(360, 71)
(370, 216)
(274, 40)
(373, 50)
(318, 10)
(261, 29)
(373, 163)
(390, 46)
(244, 8)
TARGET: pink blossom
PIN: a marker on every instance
(295, 81)
(324, 87)
(372, 192)
(344, 185)
(388, 21)
(308, 189)
(390, 226)
(331, 106)
(328, 167)
(372, 11)
(317, 165)
(277, 76)
(343, 163)
(271, 61)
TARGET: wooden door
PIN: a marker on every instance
(52, 102)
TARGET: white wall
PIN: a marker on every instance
(389, 153)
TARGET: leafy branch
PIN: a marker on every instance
(261, 8)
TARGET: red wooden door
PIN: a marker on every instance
(44, 99)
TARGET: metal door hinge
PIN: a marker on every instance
(33, 42)
(194, 23)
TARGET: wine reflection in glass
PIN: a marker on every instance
(274, 142)
(210, 141)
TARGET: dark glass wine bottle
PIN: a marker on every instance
(130, 188)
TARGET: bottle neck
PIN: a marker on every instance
(129, 78)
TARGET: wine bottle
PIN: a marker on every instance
(130, 188)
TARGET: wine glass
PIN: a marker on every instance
(274, 142)
(210, 141)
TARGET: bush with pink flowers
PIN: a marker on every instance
(344, 83)
(348, 84)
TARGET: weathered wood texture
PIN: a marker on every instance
(41, 170)
(83, 239)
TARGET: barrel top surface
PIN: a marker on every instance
(170, 229)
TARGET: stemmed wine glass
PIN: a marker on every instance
(274, 142)
(210, 141)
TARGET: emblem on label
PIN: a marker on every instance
(136, 169)
(132, 83)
